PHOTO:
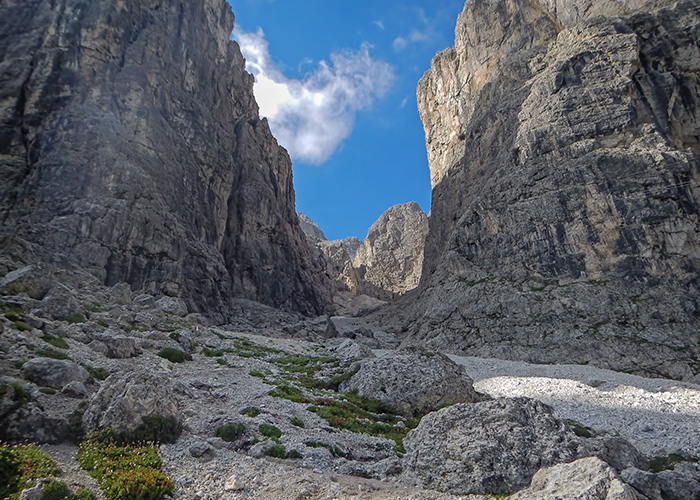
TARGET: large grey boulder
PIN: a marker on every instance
(564, 219)
(176, 189)
(114, 344)
(125, 399)
(56, 373)
(493, 447)
(585, 479)
(414, 383)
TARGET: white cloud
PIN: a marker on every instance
(311, 117)
(401, 42)
(379, 23)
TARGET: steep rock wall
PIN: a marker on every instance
(130, 146)
(564, 146)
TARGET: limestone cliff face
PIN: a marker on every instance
(564, 145)
(130, 146)
(391, 256)
(387, 262)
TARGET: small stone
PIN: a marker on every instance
(233, 484)
(75, 389)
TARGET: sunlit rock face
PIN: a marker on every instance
(130, 147)
(564, 140)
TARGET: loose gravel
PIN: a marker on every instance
(658, 416)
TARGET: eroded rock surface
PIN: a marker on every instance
(563, 140)
(491, 447)
(130, 152)
(585, 479)
(415, 383)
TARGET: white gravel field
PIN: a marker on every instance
(658, 416)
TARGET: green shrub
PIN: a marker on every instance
(55, 489)
(154, 429)
(174, 355)
(85, 494)
(212, 353)
(22, 326)
(270, 431)
(257, 373)
(48, 390)
(668, 462)
(230, 432)
(251, 411)
(12, 316)
(75, 318)
(277, 451)
(51, 353)
(293, 454)
(291, 393)
(124, 472)
(56, 341)
(222, 361)
(19, 465)
(579, 429)
(297, 421)
(97, 373)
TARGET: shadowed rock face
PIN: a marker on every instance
(130, 146)
(564, 152)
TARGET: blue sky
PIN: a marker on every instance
(337, 82)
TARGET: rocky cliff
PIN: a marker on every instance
(131, 148)
(387, 262)
(391, 256)
(564, 147)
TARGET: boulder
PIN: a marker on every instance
(124, 400)
(116, 345)
(585, 479)
(172, 305)
(493, 447)
(414, 383)
(56, 373)
(349, 349)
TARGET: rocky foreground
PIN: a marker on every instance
(313, 413)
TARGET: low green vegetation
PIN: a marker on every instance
(222, 361)
(96, 373)
(20, 466)
(366, 416)
(668, 462)
(169, 325)
(47, 390)
(212, 353)
(251, 411)
(174, 355)
(271, 431)
(230, 432)
(278, 451)
(55, 489)
(56, 341)
(124, 472)
(579, 429)
(248, 349)
(153, 429)
(296, 421)
(22, 326)
(291, 393)
(51, 353)
(74, 318)
(335, 451)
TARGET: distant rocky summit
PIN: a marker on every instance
(564, 147)
(129, 152)
(389, 260)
